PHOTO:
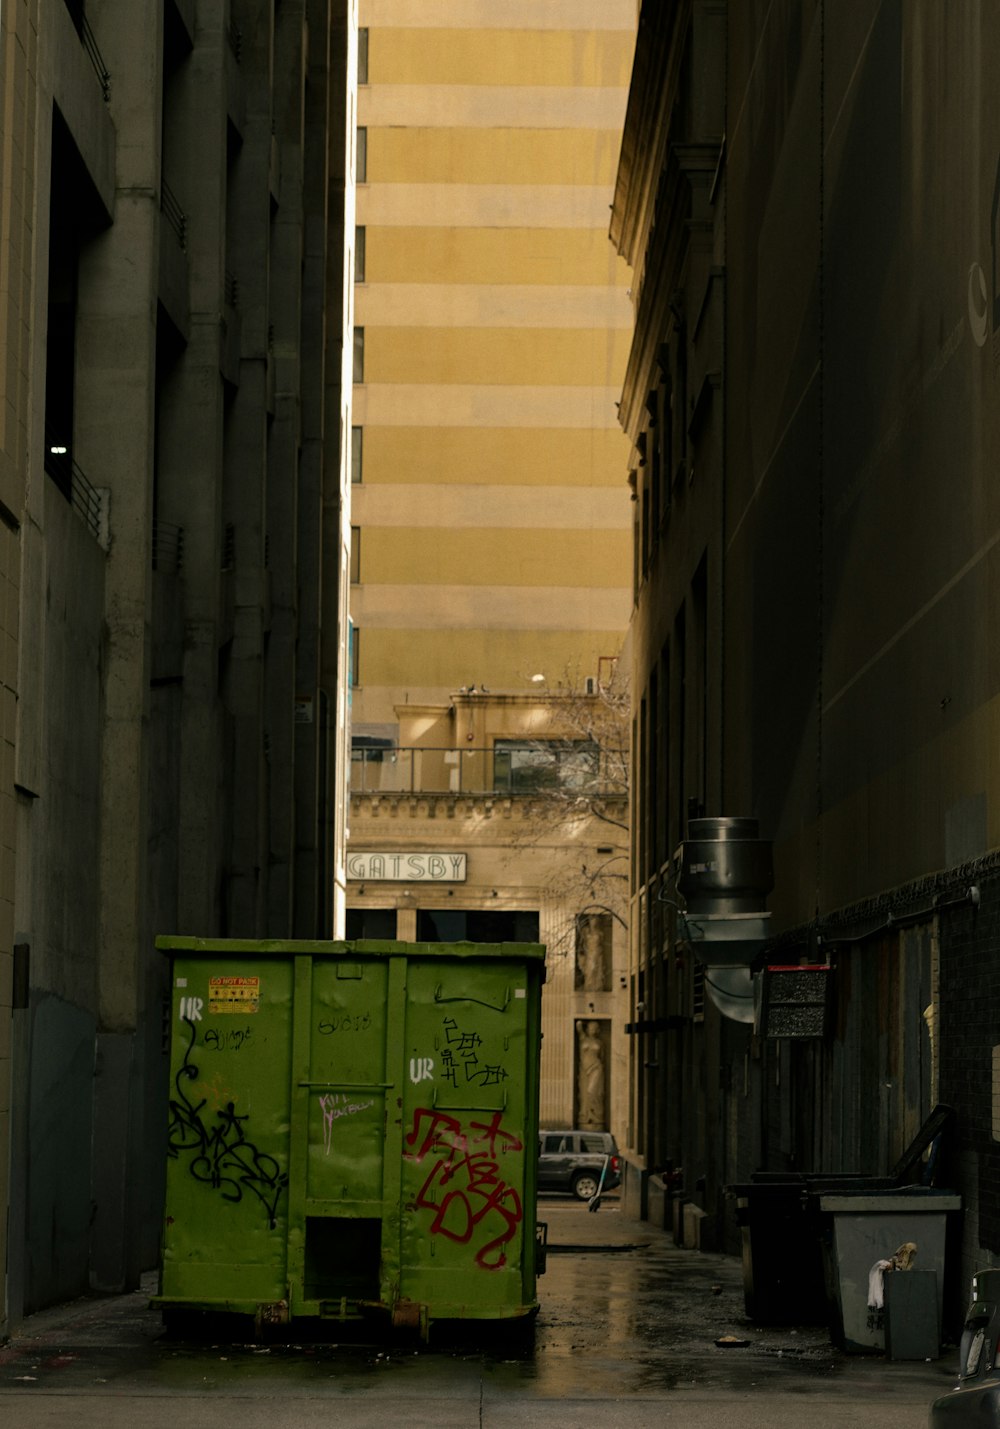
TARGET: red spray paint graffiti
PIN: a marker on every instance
(463, 1187)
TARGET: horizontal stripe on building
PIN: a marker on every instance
(557, 508)
(485, 205)
(466, 405)
(492, 456)
(475, 106)
(422, 664)
(495, 555)
(548, 257)
(482, 356)
(493, 156)
(491, 305)
(489, 607)
(498, 55)
(517, 14)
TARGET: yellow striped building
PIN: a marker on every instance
(492, 522)
(492, 525)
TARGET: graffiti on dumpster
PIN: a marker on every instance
(471, 1202)
(345, 1022)
(220, 1153)
(334, 1106)
(227, 1041)
(460, 1055)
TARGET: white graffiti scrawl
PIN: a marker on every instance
(334, 1106)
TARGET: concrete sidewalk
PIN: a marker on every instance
(626, 1331)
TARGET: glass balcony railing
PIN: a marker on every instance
(504, 768)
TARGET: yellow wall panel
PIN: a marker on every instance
(507, 356)
(488, 255)
(491, 305)
(447, 659)
(502, 57)
(494, 456)
(493, 156)
(527, 15)
(413, 205)
(457, 106)
(495, 556)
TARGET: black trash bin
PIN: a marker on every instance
(785, 1272)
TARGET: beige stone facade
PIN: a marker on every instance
(503, 819)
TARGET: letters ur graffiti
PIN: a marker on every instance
(220, 1153)
(464, 1188)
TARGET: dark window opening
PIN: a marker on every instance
(476, 925)
(76, 215)
(357, 453)
(370, 923)
(363, 55)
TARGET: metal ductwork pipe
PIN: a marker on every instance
(725, 875)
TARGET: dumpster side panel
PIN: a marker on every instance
(469, 1137)
(227, 1138)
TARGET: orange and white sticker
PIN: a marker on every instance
(233, 994)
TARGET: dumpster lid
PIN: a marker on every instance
(339, 948)
(939, 1121)
(921, 1200)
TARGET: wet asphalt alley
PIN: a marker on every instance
(626, 1333)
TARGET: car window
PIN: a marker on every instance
(594, 1143)
(552, 1145)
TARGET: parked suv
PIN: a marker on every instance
(574, 1160)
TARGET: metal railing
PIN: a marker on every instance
(401, 769)
(235, 37)
(173, 213)
(168, 546)
(96, 58)
(90, 504)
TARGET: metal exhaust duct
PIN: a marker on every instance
(725, 875)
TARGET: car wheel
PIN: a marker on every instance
(585, 1186)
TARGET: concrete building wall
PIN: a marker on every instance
(19, 69)
(845, 530)
(174, 265)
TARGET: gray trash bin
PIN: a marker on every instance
(866, 1228)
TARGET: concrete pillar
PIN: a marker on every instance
(284, 455)
(245, 480)
(191, 459)
(115, 372)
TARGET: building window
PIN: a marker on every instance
(362, 157)
(363, 55)
(359, 255)
(357, 452)
(354, 655)
(370, 923)
(359, 354)
(476, 925)
(524, 766)
(355, 555)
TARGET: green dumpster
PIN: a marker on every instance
(352, 1130)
